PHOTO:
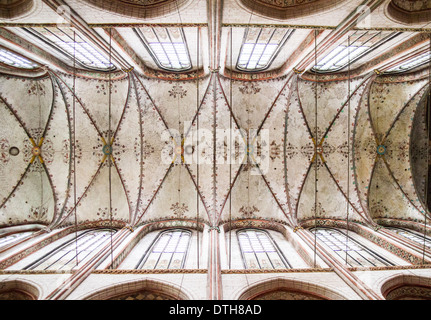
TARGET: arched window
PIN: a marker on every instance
(168, 251)
(167, 46)
(260, 46)
(412, 63)
(413, 235)
(348, 248)
(361, 43)
(10, 239)
(15, 60)
(259, 251)
(73, 253)
(73, 45)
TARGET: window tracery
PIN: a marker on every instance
(259, 251)
(73, 253)
(14, 60)
(412, 235)
(73, 45)
(349, 249)
(167, 46)
(4, 241)
(412, 63)
(360, 44)
(168, 251)
(260, 47)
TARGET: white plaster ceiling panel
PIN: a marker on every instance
(105, 191)
(95, 96)
(87, 146)
(332, 144)
(224, 171)
(419, 150)
(32, 99)
(331, 97)
(397, 146)
(251, 100)
(386, 101)
(126, 188)
(299, 148)
(177, 101)
(270, 143)
(308, 206)
(11, 167)
(364, 151)
(327, 202)
(202, 139)
(32, 201)
(28, 178)
(382, 141)
(126, 149)
(250, 103)
(252, 199)
(385, 198)
(143, 136)
(338, 144)
(176, 199)
(324, 107)
(56, 150)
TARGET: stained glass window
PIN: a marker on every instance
(168, 251)
(412, 63)
(73, 253)
(347, 248)
(259, 251)
(15, 60)
(167, 46)
(74, 46)
(260, 46)
(360, 44)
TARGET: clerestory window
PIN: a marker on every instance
(73, 253)
(13, 238)
(74, 46)
(168, 251)
(15, 60)
(414, 236)
(360, 43)
(167, 46)
(348, 249)
(260, 46)
(259, 251)
(412, 63)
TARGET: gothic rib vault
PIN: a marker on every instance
(87, 148)
(146, 186)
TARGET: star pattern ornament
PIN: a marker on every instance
(179, 209)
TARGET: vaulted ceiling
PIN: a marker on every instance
(122, 146)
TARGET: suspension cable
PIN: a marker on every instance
(315, 147)
(74, 145)
(348, 149)
(427, 113)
